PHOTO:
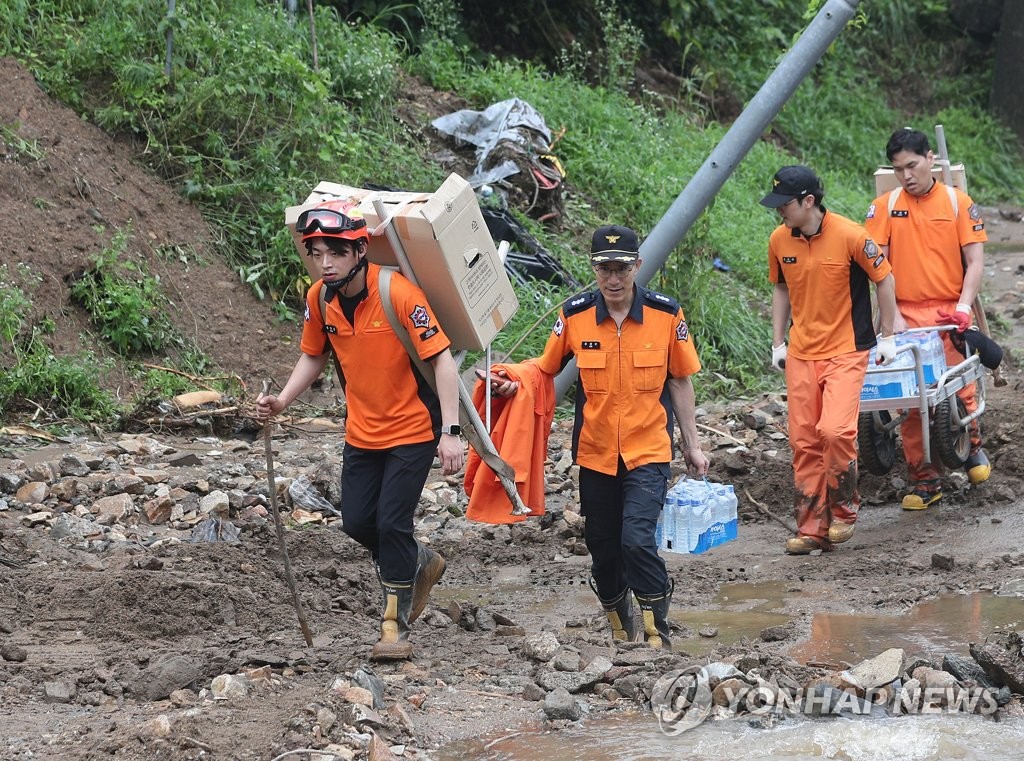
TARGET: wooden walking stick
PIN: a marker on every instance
(280, 527)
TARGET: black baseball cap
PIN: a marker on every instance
(792, 182)
(612, 243)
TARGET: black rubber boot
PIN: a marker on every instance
(620, 614)
(654, 609)
(394, 644)
(429, 569)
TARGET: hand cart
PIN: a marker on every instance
(944, 418)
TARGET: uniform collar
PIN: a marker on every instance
(796, 232)
(636, 309)
(932, 189)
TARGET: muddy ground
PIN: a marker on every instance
(116, 628)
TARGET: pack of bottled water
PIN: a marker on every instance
(697, 516)
(933, 355)
(900, 380)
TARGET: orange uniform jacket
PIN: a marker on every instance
(827, 275)
(520, 427)
(622, 399)
(925, 236)
(389, 401)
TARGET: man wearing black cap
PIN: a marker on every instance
(821, 264)
(635, 357)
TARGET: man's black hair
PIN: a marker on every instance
(337, 245)
(907, 139)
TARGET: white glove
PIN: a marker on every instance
(779, 357)
(885, 350)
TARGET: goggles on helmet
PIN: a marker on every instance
(324, 221)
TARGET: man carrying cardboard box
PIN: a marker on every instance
(396, 420)
(934, 237)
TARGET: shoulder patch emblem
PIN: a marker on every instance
(420, 316)
(682, 331)
(559, 327)
(878, 262)
(576, 302)
(974, 212)
(871, 212)
(428, 333)
(870, 249)
(306, 315)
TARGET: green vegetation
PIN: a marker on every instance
(36, 378)
(246, 125)
(124, 303)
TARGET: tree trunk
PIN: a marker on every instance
(1007, 99)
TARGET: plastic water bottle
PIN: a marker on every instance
(668, 523)
(701, 520)
(731, 513)
(682, 528)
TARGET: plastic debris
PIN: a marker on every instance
(305, 495)
(215, 529)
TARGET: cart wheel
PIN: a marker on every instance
(877, 447)
(951, 443)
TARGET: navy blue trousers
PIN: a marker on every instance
(621, 514)
(380, 489)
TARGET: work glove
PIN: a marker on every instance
(885, 350)
(961, 317)
(779, 357)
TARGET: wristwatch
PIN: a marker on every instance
(452, 430)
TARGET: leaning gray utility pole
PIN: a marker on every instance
(748, 127)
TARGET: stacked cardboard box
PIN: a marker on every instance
(448, 247)
(885, 178)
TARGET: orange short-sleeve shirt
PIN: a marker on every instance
(925, 235)
(622, 403)
(828, 278)
(389, 402)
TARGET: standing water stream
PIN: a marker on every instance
(933, 628)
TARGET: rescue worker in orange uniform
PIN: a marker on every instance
(934, 237)
(396, 421)
(821, 264)
(635, 356)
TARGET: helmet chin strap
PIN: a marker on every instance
(334, 286)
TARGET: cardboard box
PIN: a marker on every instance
(885, 178)
(448, 247)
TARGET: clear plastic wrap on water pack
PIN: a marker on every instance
(900, 380)
(697, 516)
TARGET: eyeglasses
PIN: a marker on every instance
(328, 220)
(606, 271)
